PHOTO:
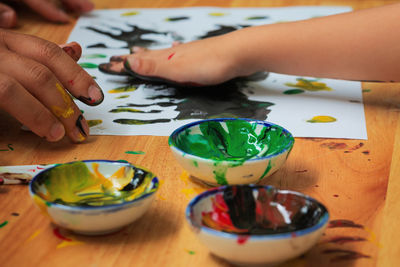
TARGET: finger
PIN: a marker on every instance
(176, 43)
(77, 81)
(73, 49)
(15, 100)
(78, 5)
(8, 17)
(137, 49)
(48, 10)
(115, 66)
(44, 86)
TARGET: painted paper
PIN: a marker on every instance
(306, 106)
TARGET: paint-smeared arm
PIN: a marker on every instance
(36, 77)
(361, 45)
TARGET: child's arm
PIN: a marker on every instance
(362, 45)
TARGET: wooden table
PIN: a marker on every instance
(356, 182)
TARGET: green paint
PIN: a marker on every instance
(267, 169)
(241, 141)
(195, 163)
(123, 89)
(10, 148)
(135, 152)
(256, 18)
(90, 56)
(3, 224)
(48, 204)
(73, 184)
(82, 111)
(122, 96)
(220, 176)
(132, 110)
(139, 122)
(123, 161)
(191, 252)
(88, 65)
(366, 90)
(293, 91)
(92, 123)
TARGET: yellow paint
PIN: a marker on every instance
(322, 119)
(92, 123)
(64, 243)
(122, 89)
(309, 85)
(184, 177)
(67, 111)
(33, 236)
(41, 203)
(372, 237)
(130, 13)
(217, 14)
(160, 197)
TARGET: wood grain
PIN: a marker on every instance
(358, 184)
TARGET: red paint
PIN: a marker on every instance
(39, 168)
(293, 235)
(170, 56)
(302, 171)
(242, 239)
(71, 82)
(57, 233)
(334, 145)
(31, 170)
(336, 195)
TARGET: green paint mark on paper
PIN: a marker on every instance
(140, 122)
(176, 18)
(118, 110)
(92, 123)
(309, 85)
(130, 13)
(135, 152)
(322, 119)
(257, 18)
(88, 65)
(90, 56)
(293, 91)
(122, 96)
(3, 224)
(122, 89)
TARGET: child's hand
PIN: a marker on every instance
(203, 62)
(35, 78)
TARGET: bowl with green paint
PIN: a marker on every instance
(228, 151)
(95, 196)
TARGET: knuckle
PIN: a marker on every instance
(7, 87)
(49, 51)
(40, 74)
(41, 118)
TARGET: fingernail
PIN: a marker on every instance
(82, 125)
(116, 59)
(7, 19)
(96, 96)
(132, 63)
(135, 49)
(62, 17)
(57, 131)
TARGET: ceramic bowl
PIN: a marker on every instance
(254, 225)
(95, 196)
(231, 151)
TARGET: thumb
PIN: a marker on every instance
(8, 17)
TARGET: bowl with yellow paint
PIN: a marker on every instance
(228, 151)
(255, 225)
(95, 196)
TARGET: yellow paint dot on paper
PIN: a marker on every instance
(217, 14)
(309, 85)
(130, 13)
(64, 244)
(322, 119)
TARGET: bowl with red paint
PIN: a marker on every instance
(229, 151)
(254, 225)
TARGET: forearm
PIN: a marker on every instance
(362, 45)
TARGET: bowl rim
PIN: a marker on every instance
(154, 181)
(189, 211)
(172, 143)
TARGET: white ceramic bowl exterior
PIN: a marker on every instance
(224, 172)
(253, 250)
(95, 220)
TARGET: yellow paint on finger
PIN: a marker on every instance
(322, 119)
(66, 111)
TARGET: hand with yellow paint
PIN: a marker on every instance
(37, 79)
(356, 45)
(47, 9)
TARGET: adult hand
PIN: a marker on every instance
(35, 78)
(46, 8)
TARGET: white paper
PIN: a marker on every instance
(343, 102)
